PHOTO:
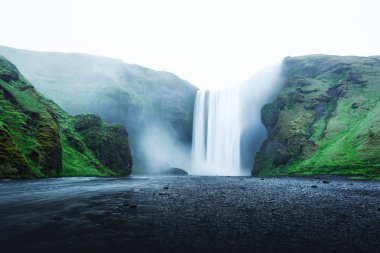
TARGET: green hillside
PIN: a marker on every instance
(118, 92)
(38, 139)
(325, 120)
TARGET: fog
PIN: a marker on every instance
(174, 35)
(150, 104)
(161, 149)
(144, 101)
(254, 94)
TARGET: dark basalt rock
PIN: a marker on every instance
(355, 105)
(172, 172)
(178, 172)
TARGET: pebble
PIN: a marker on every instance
(284, 215)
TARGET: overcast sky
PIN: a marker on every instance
(211, 43)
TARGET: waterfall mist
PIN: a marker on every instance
(162, 149)
(254, 94)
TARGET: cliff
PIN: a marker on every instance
(38, 139)
(128, 94)
(325, 120)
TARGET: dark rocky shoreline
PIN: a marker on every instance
(189, 214)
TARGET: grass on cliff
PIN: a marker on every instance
(74, 162)
(33, 134)
(348, 136)
(118, 92)
(14, 119)
(352, 142)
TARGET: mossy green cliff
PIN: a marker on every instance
(325, 120)
(132, 95)
(38, 139)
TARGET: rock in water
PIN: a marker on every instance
(178, 172)
(175, 172)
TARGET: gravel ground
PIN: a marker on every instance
(189, 214)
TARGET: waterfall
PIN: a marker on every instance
(216, 133)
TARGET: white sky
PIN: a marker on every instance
(211, 43)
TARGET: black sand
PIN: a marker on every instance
(189, 214)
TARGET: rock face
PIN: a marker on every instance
(109, 143)
(38, 139)
(131, 95)
(325, 120)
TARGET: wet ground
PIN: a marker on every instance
(189, 214)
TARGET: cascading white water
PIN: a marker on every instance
(216, 133)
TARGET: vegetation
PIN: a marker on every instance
(38, 139)
(109, 143)
(131, 95)
(325, 119)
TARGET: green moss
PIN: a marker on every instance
(109, 143)
(38, 139)
(118, 92)
(338, 115)
(12, 162)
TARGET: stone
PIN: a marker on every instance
(355, 105)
